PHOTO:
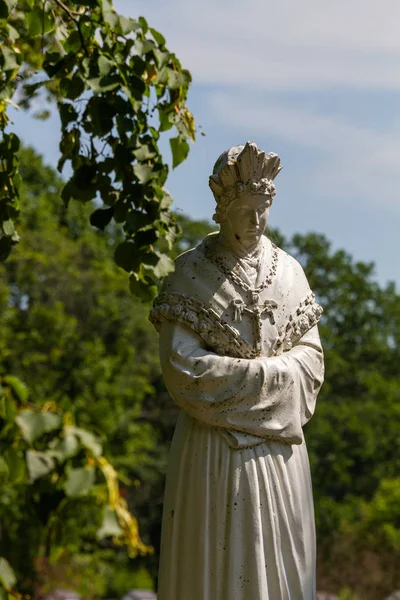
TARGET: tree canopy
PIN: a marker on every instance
(68, 322)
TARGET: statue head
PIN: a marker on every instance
(242, 184)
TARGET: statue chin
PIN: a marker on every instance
(245, 242)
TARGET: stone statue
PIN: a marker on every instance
(241, 357)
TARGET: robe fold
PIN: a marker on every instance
(238, 520)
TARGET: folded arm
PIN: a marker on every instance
(267, 397)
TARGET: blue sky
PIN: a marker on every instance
(316, 82)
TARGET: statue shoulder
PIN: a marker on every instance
(189, 270)
(291, 271)
(190, 258)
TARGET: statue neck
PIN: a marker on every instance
(234, 246)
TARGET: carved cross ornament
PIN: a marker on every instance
(256, 310)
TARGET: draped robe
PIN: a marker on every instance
(238, 521)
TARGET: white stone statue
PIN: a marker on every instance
(241, 357)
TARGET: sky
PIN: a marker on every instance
(318, 83)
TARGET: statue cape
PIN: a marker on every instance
(231, 320)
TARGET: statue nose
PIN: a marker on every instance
(255, 218)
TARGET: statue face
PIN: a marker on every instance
(247, 218)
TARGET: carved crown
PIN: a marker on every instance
(242, 170)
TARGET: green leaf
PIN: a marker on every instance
(73, 42)
(162, 58)
(143, 172)
(65, 448)
(56, 64)
(4, 11)
(104, 84)
(125, 256)
(145, 152)
(18, 387)
(186, 126)
(79, 481)
(34, 21)
(160, 264)
(12, 142)
(128, 25)
(42, 115)
(176, 79)
(136, 89)
(11, 59)
(35, 424)
(16, 464)
(179, 149)
(13, 34)
(146, 290)
(39, 21)
(73, 87)
(8, 408)
(67, 113)
(8, 227)
(39, 464)
(5, 248)
(105, 65)
(146, 238)
(160, 39)
(4, 471)
(7, 576)
(144, 46)
(143, 24)
(109, 14)
(167, 120)
(87, 439)
(84, 180)
(137, 220)
(110, 526)
(100, 218)
(101, 113)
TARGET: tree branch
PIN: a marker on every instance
(73, 18)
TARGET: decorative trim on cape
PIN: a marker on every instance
(307, 314)
(224, 339)
(236, 279)
(204, 321)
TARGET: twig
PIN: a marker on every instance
(71, 15)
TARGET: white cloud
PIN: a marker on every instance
(285, 45)
(353, 161)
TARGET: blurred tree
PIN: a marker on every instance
(71, 329)
(353, 439)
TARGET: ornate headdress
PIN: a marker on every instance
(242, 170)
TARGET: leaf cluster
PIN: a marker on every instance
(117, 88)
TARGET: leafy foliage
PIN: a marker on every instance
(68, 322)
(353, 439)
(117, 88)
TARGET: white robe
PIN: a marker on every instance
(238, 518)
